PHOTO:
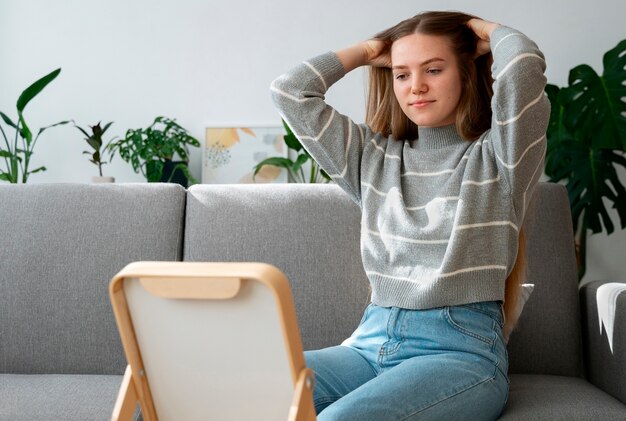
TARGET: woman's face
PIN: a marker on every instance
(426, 79)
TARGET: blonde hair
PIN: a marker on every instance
(383, 113)
(513, 286)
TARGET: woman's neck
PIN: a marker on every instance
(438, 137)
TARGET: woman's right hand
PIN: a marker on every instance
(378, 55)
(371, 52)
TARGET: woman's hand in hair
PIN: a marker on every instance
(371, 52)
(377, 53)
(483, 30)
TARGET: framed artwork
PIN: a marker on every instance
(230, 153)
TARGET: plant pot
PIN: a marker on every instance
(101, 179)
(178, 175)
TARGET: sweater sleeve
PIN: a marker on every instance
(521, 112)
(333, 140)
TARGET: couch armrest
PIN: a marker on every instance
(604, 335)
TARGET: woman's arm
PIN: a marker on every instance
(333, 140)
(520, 109)
(371, 52)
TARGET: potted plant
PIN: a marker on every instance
(95, 141)
(295, 173)
(586, 144)
(17, 150)
(152, 151)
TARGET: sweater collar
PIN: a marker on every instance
(438, 137)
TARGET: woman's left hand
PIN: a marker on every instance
(483, 30)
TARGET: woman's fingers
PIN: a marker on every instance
(483, 30)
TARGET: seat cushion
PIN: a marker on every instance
(47, 397)
(539, 397)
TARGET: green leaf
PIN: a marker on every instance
(34, 89)
(154, 171)
(275, 161)
(7, 120)
(40, 169)
(5, 154)
(27, 95)
(87, 135)
(290, 139)
(5, 177)
(594, 104)
(302, 159)
(52, 125)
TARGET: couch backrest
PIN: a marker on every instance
(61, 245)
(548, 337)
(311, 232)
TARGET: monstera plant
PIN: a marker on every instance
(586, 145)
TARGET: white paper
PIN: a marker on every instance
(606, 298)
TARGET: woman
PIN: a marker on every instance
(443, 172)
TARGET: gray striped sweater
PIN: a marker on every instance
(440, 215)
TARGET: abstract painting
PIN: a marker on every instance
(230, 154)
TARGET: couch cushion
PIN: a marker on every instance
(310, 232)
(62, 244)
(32, 397)
(538, 397)
(547, 339)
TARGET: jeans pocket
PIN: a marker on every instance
(471, 322)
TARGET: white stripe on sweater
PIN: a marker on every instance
(539, 165)
(440, 275)
(286, 95)
(371, 272)
(499, 42)
(472, 269)
(414, 208)
(515, 60)
(321, 133)
(517, 117)
(481, 183)
(511, 166)
(486, 224)
(378, 192)
(362, 135)
(405, 239)
(348, 144)
(438, 199)
(426, 174)
(383, 151)
(318, 74)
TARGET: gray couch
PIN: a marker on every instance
(60, 355)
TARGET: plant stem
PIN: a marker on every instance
(6, 142)
(14, 160)
(312, 177)
(28, 148)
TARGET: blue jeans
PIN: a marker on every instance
(447, 363)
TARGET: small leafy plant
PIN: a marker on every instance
(295, 173)
(17, 150)
(95, 141)
(149, 150)
(586, 144)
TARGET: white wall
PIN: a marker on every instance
(205, 62)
